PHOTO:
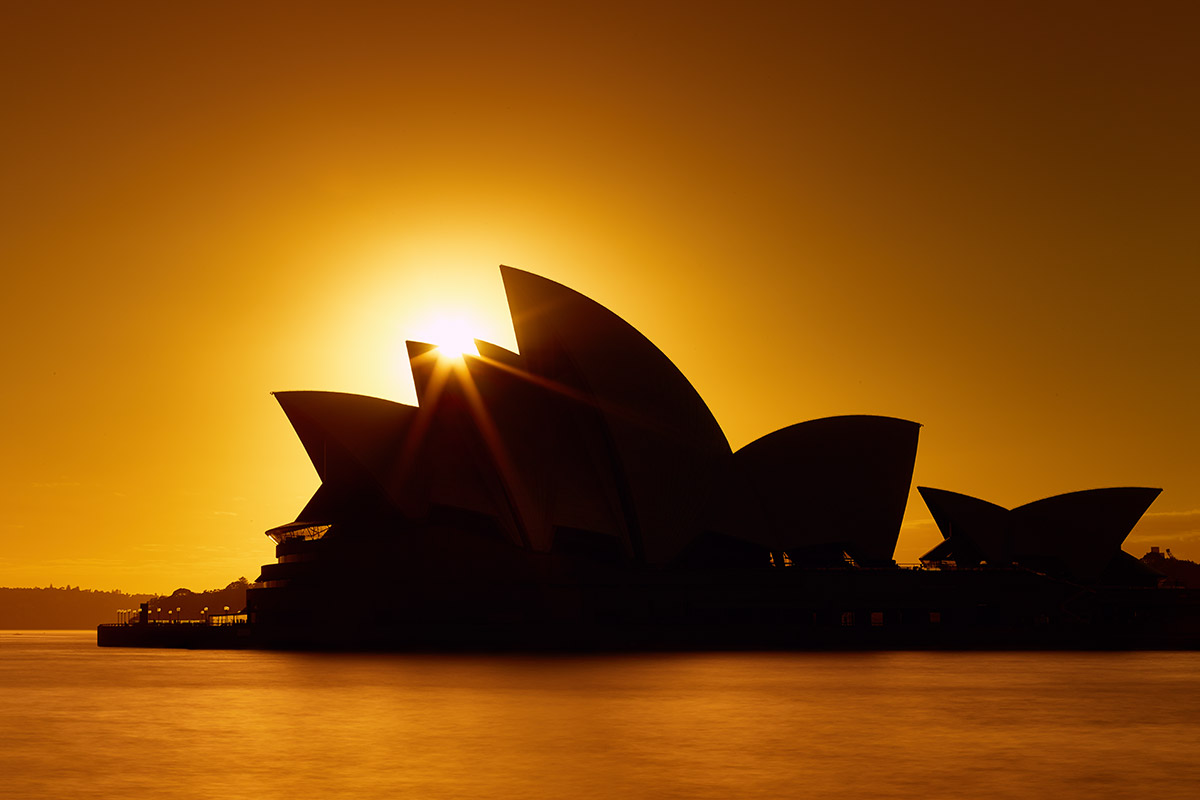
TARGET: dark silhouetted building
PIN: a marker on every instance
(537, 487)
(580, 494)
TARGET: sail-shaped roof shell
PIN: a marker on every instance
(1084, 529)
(981, 530)
(667, 447)
(345, 435)
(840, 481)
(1078, 532)
(352, 441)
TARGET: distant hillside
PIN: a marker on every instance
(75, 608)
(1178, 570)
(64, 608)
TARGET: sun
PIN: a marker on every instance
(453, 335)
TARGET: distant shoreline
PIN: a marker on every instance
(73, 608)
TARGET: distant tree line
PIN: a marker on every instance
(65, 607)
(1179, 571)
(72, 608)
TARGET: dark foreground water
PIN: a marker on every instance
(77, 721)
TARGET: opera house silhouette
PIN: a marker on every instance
(1076, 536)
(579, 493)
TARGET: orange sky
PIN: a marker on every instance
(981, 219)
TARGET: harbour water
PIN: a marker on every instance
(85, 722)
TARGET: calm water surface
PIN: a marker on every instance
(77, 721)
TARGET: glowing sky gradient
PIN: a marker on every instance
(981, 219)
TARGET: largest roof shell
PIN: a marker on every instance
(667, 446)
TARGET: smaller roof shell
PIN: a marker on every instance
(1081, 531)
(837, 480)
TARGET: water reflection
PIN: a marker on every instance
(86, 722)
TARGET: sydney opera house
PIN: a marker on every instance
(579, 493)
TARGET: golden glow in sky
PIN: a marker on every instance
(452, 334)
(977, 217)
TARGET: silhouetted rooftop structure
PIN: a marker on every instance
(591, 433)
(586, 447)
(1076, 535)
